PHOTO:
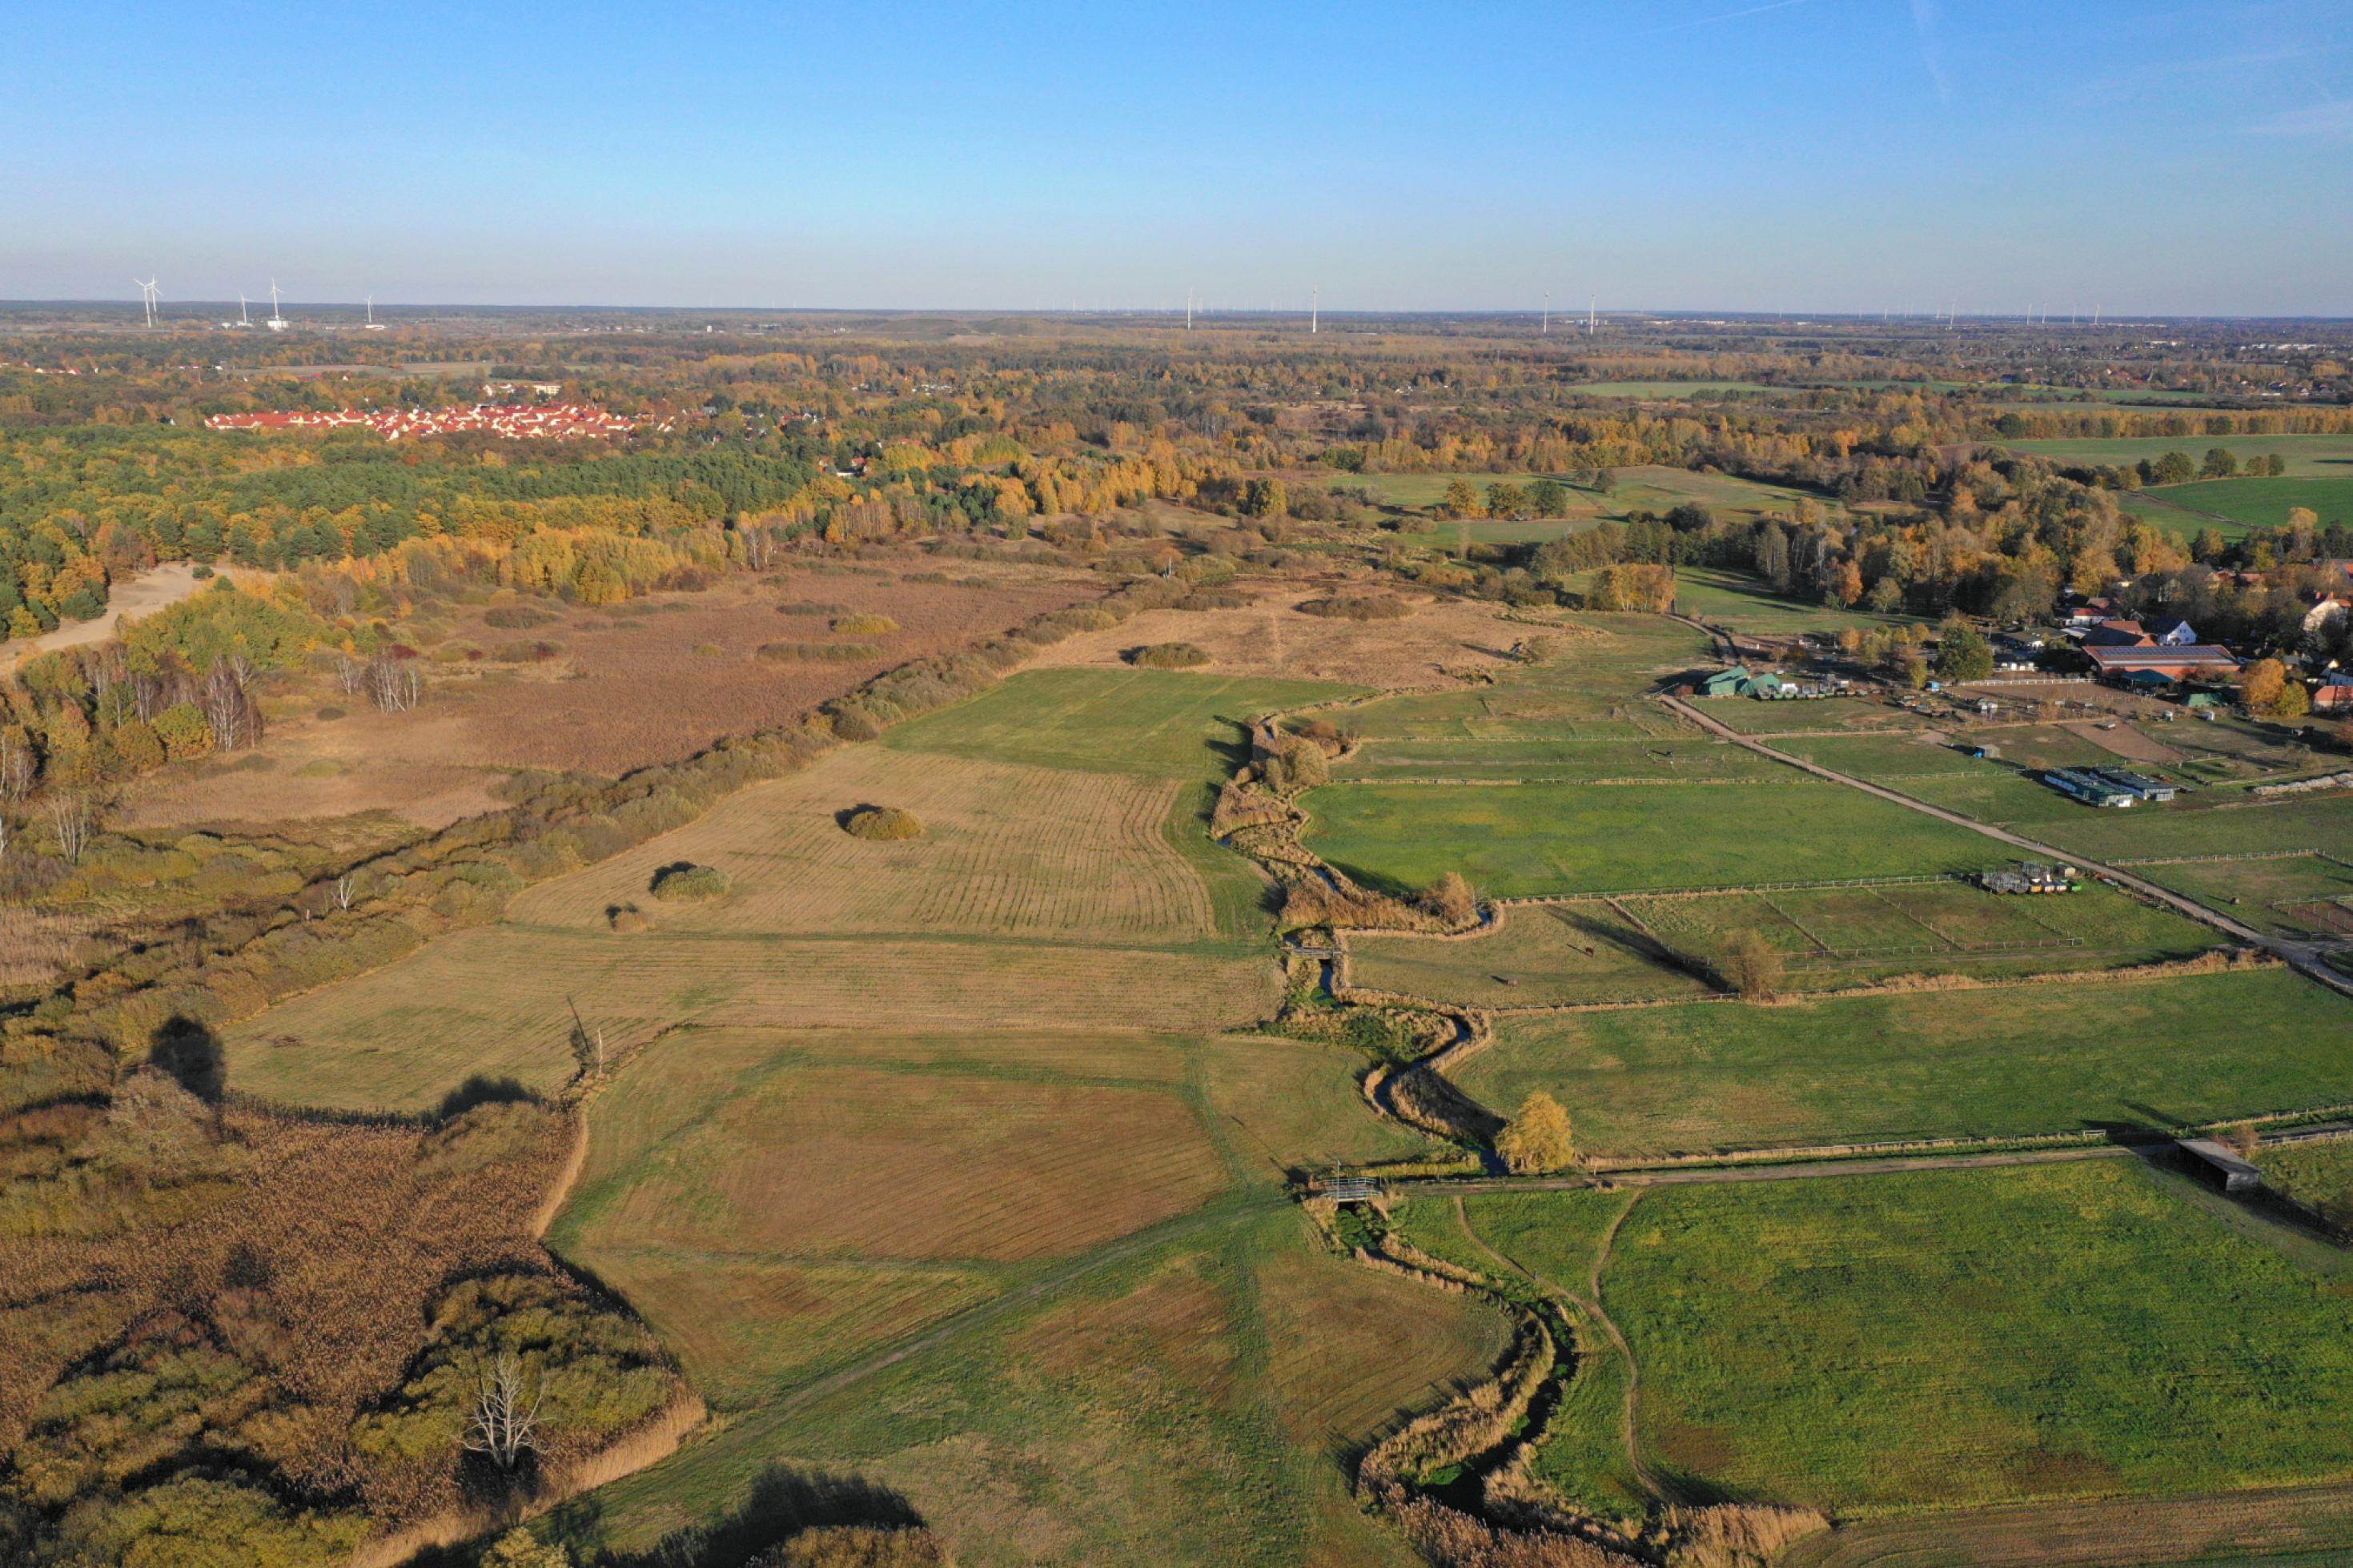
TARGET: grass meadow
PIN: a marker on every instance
(1877, 1344)
(2298, 895)
(1543, 955)
(1159, 723)
(1746, 604)
(2308, 457)
(1515, 841)
(1648, 1082)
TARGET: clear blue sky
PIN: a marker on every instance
(2178, 156)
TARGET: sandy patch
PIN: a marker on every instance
(1271, 638)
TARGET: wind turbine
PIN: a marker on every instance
(1546, 331)
(371, 316)
(147, 298)
(1592, 315)
(277, 323)
(242, 319)
(1315, 295)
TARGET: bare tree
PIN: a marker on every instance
(351, 675)
(504, 1421)
(71, 818)
(346, 890)
(227, 709)
(394, 685)
(16, 766)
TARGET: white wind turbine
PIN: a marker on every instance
(277, 323)
(147, 298)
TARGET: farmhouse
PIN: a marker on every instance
(2219, 1167)
(2171, 631)
(2118, 634)
(2334, 694)
(1725, 682)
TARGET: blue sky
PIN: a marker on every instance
(2162, 157)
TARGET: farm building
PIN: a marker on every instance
(2116, 664)
(1725, 682)
(2030, 877)
(2087, 786)
(2334, 694)
(2218, 1166)
(2118, 634)
(2171, 631)
(2141, 785)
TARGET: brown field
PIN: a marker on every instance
(636, 671)
(2300, 1524)
(837, 1160)
(1348, 1348)
(1272, 638)
(498, 1001)
(632, 684)
(1007, 850)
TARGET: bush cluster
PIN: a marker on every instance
(883, 822)
(675, 882)
(864, 626)
(1168, 656)
(840, 652)
(1358, 607)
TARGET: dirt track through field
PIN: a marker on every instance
(2304, 956)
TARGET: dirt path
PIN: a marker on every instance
(1793, 1171)
(143, 595)
(2304, 956)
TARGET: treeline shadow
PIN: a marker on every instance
(781, 1504)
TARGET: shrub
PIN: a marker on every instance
(852, 722)
(882, 822)
(331, 714)
(626, 919)
(1752, 966)
(1452, 899)
(864, 626)
(687, 881)
(1295, 764)
(1358, 607)
(857, 1546)
(185, 732)
(1168, 656)
(516, 617)
(787, 652)
(1538, 1139)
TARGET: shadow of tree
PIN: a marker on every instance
(480, 1090)
(191, 1055)
(780, 1504)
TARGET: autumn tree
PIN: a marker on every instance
(517, 1548)
(1962, 652)
(1549, 498)
(2268, 693)
(1537, 1139)
(1753, 965)
(1461, 500)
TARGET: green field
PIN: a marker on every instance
(1667, 389)
(1591, 690)
(2233, 506)
(1544, 955)
(1746, 604)
(1108, 721)
(1942, 1339)
(1516, 840)
(2318, 1174)
(2300, 896)
(1671, 757)
(2005, 1062)
(2308, 457)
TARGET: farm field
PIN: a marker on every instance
(1834, 938)
(2318, 1174)
(1544, 955)
(2008, 1061)
(2302, 895)
(2233, 506)
(1810, 716)
(2190, 825)
(1522, 839)
(2081, 1329)
(1163, 724)
(1590, 689)
(1746, 604)
(1668, 389)
(1670, 757)
(1172, 1402)
(1007, 850)
(2308, 457)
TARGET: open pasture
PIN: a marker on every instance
(1515, 841)
(1668, 757)
(1667, 389)
(1543, 955)
(1272, 639)
(2318, 1174)
(1986, 1063)
(1811, 716)
(2254, 503)
(2199, 824)
(1171, 1402)
(2308, 457)
(1838, 937)
(1294, 1105)
(2082, 1329)
(2300, 895)
(1724, 597)
(1007, 850)
(498, 1001)
(1163, 723)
